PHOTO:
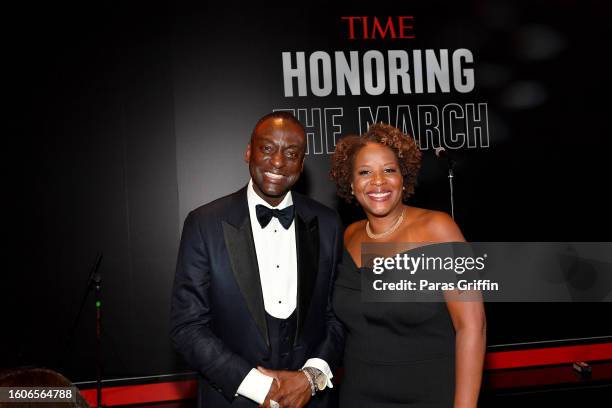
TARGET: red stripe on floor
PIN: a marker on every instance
(547, 356)
(143, 393)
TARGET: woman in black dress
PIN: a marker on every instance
(399, 354)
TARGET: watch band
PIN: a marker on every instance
(311, 380)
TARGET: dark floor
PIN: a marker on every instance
(591, 397)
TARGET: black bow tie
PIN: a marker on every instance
(265, 214)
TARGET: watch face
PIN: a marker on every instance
(320, 382)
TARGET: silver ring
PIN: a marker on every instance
(274, 404)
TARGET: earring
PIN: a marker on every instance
(352, 191)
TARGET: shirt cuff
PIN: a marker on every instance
(255, 386)
(322, 366)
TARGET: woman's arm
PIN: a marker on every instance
(470, 341)
(469, 321)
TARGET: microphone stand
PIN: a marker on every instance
(442, 153)
(95, 280)
(451, 175)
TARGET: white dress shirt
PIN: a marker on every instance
(277, 260)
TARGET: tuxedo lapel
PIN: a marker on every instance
(307, 246)
(243, 258)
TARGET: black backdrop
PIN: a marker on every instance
(123, 118)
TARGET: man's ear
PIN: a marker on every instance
(247, 154)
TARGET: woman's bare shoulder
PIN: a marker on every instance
(352, 230)
(437, 225)
(426, 216)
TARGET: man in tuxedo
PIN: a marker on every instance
(251, 303)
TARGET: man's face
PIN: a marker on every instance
(276, 158)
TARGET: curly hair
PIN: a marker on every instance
(405, 148)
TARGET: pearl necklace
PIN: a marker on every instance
(395, 226)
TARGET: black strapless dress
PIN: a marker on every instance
(396, 354)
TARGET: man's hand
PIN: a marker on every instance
(290, 389)
(273, 391)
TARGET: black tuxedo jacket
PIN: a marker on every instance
(218, 321)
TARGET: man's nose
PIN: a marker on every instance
(278, 159)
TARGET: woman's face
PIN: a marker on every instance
(377, 179)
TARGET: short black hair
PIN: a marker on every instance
(278, 115)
